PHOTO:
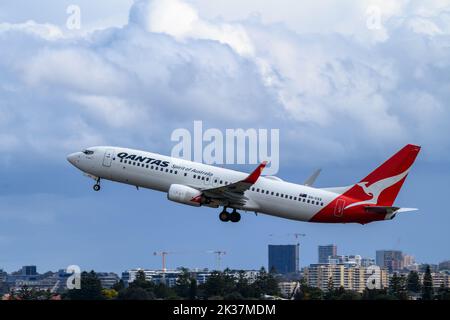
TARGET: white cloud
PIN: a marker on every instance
(343, 90)
(44, 30)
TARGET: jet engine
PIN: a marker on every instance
(185, 195)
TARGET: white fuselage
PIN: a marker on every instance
(268, 195)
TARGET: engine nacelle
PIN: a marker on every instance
(185, 195)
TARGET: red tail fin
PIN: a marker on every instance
(382, 186)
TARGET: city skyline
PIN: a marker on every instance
(265, 266)
(344, 93)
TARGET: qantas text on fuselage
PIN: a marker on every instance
(197, 184)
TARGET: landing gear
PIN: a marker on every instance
(96, 186)
(235, 216)
(225, 216)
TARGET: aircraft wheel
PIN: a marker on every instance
(96, 187)
(235, 216)
(224, 216)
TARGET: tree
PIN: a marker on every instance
(413, 282)
(443, 293)
(377, 294)
(183, 284)
(427, 288)
(307, 293)
(110, 293)
(243, 286)
(219, 284)
(135, 293)
(119, 286)
(329, 295)
(162, 291)
(141, 282)
(397, 287)
(91, 288)
(193, 289)
(266, 283)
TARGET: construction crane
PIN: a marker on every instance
(219, 254)
(163, 254)
(296, 235)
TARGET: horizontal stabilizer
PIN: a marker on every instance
(407, 209)
(388, 210)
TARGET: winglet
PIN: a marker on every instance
(253, 177)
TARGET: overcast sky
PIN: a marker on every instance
(348, 83)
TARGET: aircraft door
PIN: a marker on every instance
(107, 159)
(339, 208)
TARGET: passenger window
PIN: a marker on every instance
(203, 178)
(176, 172)
(290, 197)
(295, 198)
(220, 181)
(134, 163)
(271, 193)
(307, 201)
(194, 176)
(267, 192)
(185, 174)
(277, 194)
(151, 167)
(257, 190)
(171, 171)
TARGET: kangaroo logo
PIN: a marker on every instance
(375, 189)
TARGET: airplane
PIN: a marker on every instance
(197, 184)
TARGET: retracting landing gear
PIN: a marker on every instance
(235, 216)
(225, 216)
(96, 186)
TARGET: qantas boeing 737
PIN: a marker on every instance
(197, 184)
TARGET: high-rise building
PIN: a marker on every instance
(408, 260)
(284, 258)
(390, 259)
(444, 265)
(29, 270)
(350, 277)
(326, 251)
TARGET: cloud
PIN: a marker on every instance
(332, 93)
(44, 30)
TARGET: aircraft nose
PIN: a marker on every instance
(73, 158)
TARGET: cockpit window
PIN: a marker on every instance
(88, 152)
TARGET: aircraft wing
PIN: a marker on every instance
(234, 193)
(310, 181)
